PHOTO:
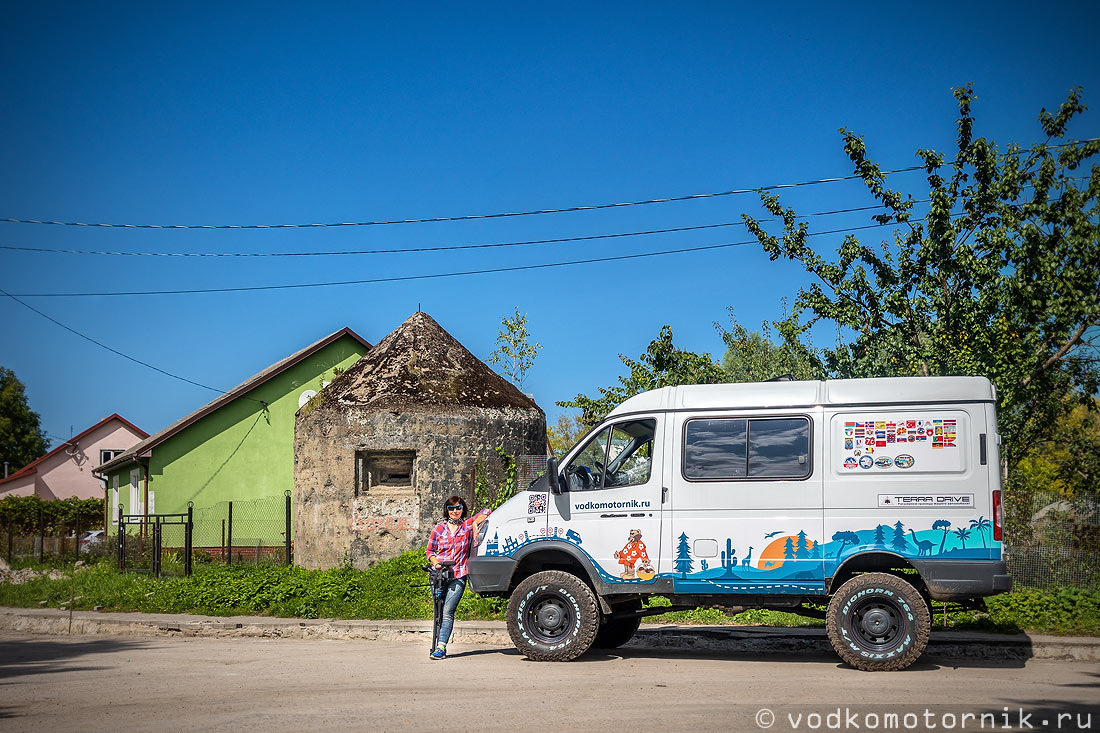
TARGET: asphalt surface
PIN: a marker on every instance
(944, 646)
(122, 683)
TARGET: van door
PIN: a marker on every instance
(612, 506)
(746, 503)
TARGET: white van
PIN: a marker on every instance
(874, 496)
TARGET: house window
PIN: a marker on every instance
(107, 455)
(384, 470)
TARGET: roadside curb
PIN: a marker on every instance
(944, 645)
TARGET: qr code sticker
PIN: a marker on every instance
(536, 504)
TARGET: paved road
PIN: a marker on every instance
(50, 683)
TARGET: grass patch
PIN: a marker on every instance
(385, 592)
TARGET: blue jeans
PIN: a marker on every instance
(451, 597)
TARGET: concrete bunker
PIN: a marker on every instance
(381, 447)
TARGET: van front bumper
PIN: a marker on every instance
(950, 580)
(491, 574)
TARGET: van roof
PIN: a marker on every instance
(833, 392)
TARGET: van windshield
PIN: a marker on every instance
(619, 455)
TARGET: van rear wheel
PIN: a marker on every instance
(553, 616)
(878, 622)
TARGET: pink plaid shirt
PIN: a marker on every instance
(454, 546)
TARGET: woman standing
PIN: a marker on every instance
(451, 541)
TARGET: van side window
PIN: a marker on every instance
(736, 448)
(620, 455)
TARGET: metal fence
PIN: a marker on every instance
(1051, 541)
(528, 468)
(231, 532)
(38, 545)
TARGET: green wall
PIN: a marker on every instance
(240, 451)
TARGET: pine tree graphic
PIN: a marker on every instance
(802, 551)
(880, 535)
(900, 543)
(683, 556)
(788, 549)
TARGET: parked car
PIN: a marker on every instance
(92, 538)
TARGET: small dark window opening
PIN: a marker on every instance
(383, 470)
(107, 455)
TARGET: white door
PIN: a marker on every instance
(612, 507)
(746, 504)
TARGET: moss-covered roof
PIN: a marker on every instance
(421, 365)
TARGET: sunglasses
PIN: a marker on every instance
(452, 507)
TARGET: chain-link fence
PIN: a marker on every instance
(529, 468)
(1051, 540)
(252, 531)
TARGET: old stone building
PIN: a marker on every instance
(378, 451)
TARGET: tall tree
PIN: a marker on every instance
(999, 278)
(662, 365)
(565, 433)
(754, 356)
(22, 438)
(514, 352)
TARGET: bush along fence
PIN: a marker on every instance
(39, 530)
(231, 532)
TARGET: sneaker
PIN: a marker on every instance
(439, 652)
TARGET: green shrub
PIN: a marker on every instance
(386, 591)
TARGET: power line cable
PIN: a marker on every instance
(501, 215)
(442, 248)
(453, 247)
(466, 217)
(433, 276)
(116, 351)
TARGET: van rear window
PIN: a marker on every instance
(738, 448)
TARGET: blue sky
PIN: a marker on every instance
(263, 113)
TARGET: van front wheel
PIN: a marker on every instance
(878, 622)
(553, 617)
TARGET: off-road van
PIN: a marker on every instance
(870, 496)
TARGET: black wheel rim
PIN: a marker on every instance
(877, 624)
(549, 618)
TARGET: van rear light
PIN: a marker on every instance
(998, 517)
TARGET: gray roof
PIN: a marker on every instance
(249, 384)
(421, 365)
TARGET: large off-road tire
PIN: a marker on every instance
(614, 632)
(553, 616)
(878, 622)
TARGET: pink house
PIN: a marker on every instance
(66, 471)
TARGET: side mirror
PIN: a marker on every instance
(552, 475)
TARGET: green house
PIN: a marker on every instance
(239, 447)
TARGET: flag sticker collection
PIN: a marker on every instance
(868, 437)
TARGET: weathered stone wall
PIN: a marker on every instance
(331, 523)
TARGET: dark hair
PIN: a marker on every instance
(456, 499)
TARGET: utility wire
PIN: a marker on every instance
(466, 217)
(501, 215)
(441, 248)
(115, 351)
(433, 276)
(445, 248)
